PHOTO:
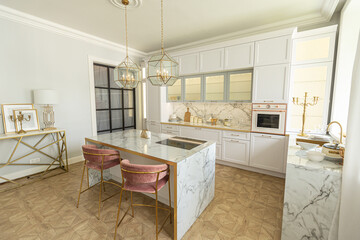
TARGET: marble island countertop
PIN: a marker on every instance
(298, 158)
(130, 141)
(239, 128)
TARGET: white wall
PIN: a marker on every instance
(34, 58)
(348, 37)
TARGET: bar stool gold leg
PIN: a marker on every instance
(82, 177)
(170, 200)
(118, 212)
(132, 208)
(101, 187)
(156, 214)
(88, 178)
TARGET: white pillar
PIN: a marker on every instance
(350, 196)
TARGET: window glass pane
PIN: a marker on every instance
(100, 76)
(240, 87)
(101, 98)
(193, 89)
(116, 119)
(312, 49)
(311, 79)
(111, 75)
(214, 88)
(129, 117)
(128, 98)
(174, 91)
(116, 99)
(102, 120)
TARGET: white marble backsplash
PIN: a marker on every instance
(239, 113)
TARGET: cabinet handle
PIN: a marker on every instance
(266, 136)
(268, 101)
(234, 141)
(235, 135)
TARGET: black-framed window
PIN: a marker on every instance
(115, 106)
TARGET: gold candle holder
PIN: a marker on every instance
(20, 118)
(304, 104)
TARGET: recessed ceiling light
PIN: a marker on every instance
(132, 4)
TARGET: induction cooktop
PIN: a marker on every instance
(180, 142)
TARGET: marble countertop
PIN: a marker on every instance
(298, 157)
(239, 128)
(130, 141)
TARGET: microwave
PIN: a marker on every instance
(269, 118)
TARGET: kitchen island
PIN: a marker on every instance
(192, 171)
(312, 197)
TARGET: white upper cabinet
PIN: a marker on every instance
(273, 51)
(267, 152)
(211, 61)
(239, 56)
(271, 84)
(189, 64)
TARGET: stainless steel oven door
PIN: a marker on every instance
(272, 122)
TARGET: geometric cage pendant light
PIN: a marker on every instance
(163, 70)
(127, 74)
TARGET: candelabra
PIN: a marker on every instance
(304, 104)
(20, 118)
(163, 75)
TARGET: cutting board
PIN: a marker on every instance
(187, 116)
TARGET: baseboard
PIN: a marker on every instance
(252, 169)
(38, 169)
(75, 159)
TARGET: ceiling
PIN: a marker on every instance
(185, 21)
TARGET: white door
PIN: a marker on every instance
(189, 64)
(239, 56)
(153, 102)
(267, 152)
(273, 51)
(271, 84)
(235, 151)
(211, 61)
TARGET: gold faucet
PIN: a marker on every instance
(341, 129)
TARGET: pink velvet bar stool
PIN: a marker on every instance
(100, 160)
(145, 179)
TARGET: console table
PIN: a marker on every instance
(55, 137)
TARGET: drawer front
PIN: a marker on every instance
(170, 127)
(177, 133)
(236, 135)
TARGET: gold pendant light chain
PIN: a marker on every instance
(126, 32)
(162, 27)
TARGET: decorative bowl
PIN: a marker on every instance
(307, 146)
(315, 156)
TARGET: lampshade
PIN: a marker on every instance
(45, 96)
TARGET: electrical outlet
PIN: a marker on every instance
(35, 160)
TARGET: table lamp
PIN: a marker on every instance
(47, 98)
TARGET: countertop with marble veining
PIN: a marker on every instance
(298, 157)
(239, 128)
(130, 140)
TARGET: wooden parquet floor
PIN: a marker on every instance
(246, 206)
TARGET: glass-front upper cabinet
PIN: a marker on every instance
(192, 88)
(239, 86)
(174, 91)
(215, 87)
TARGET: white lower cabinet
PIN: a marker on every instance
(154, 127)
(235, 151)
(267, 152)
(191, 132)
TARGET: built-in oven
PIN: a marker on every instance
(269, 118)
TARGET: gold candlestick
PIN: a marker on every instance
(20, 118)
(304, 104)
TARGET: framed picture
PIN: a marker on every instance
(8, 112)
(29, 121)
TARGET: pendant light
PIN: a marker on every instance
(162, 69)
(127, 74)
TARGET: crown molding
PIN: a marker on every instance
(328, 9)
(36, 22)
